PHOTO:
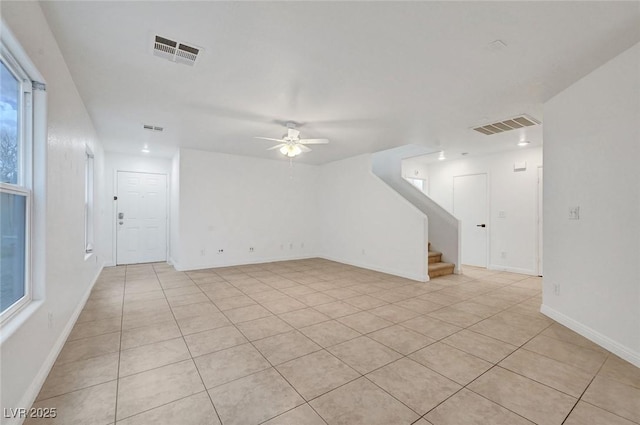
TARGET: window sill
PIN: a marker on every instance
(14, 323)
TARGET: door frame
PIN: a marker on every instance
(114, 218)
(539, 220)
(487, 212)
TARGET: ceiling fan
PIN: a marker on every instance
(291, 144)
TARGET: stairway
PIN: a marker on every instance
(436, 266)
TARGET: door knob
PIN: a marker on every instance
(481, 225)
(120, 216)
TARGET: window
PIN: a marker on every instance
(419, 183)
(88, 202)
(15, 185)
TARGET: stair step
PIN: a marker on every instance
(440, 269)
(435, 257)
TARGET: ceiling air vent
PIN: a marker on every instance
(506, 125)
(152, 127)
(175, 51)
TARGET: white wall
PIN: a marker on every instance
(515, 193)
(335, 211)
(591, 154)
(115, 162)
(234, 203)
(28, 353)
(367, 224)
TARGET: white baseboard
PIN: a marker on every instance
(616, 348)
(400, 273)
(32, 392)
(191, 267)
(512, 270)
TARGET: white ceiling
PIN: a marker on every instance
(368, 76)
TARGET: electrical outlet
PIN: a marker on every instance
(50, 320)
(556, 288)
(574, 213)
(250, 249)
(302, 245)
(203, 251)
(220, 251)
(290, 245)
(503, 255)
(364, 251)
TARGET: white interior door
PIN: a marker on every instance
(470, 206)
(141, 218)
(540, 227)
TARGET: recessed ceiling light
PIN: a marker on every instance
(524, 143)
(441, 157)
(145, 149)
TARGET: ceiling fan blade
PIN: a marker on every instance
(293, 133)
(277, 146)
(303, 148)
(313, 141)
(348, 123)
(268, 138)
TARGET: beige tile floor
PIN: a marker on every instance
(315, 342)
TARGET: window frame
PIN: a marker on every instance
(28, 293)
(89, 222)
(24, 181)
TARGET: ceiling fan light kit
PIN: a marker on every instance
(290, 150)
(291, 145)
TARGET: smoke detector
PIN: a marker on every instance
(506, 125)
(175, 51)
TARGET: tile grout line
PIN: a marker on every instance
(393, 324)
(586, 388)
(272, 367)
(420, 416)
(382, 366)
(284, 378)
(179, 361)
(511, 305)
(487, 371)
(124, 291)
(255, 348)
(187, 345)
